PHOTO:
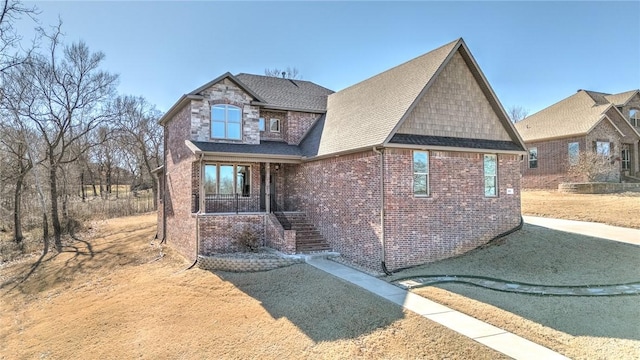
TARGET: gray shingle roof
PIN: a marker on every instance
(446, 141)
(265, 147)
(575, 115)
(288, 94)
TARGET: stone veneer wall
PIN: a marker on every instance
(218, 232)
(224, 92)
(180, 226)
(606, 132)
(456, 217)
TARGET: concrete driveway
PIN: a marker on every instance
(603, 231)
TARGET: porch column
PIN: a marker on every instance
(267, 187)
(201, 199)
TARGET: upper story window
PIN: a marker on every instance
(226, 122)
(274, 125)
(420, 173)
(533, 158)
(574, 153)
(634, 117)
(490, 175)
(603, 148)
(261, 124)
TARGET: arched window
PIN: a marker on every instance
(226, 122)
(634, 117)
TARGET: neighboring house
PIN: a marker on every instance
(589, 136)
(412, 165)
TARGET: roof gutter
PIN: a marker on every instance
(455, 149)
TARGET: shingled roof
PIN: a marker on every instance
(368, 113)
(573, 116)
(286, 93)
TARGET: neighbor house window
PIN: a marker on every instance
(274, 125)
(261, 124)
(626, 160)
(227, 179)
(574, 153)
(226, 122)
(420, 173)
(603, 148)
(634, 117)
(490, 175)
(533, 158)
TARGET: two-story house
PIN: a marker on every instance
(589, 136)
(412, 165)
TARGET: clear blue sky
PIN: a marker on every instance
(532, 53)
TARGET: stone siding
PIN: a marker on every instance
(455, 106)
(224, 92)
(598, 188)
(180, 224)
(606, 132)
(218, 233)
(232, 264)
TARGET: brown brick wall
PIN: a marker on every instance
(298, 124)
(553, 164)
(341, 197)
(274, 136)
(181, 230)
(218, 232)
(456, 217)
(279, 238)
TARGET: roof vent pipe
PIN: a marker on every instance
(284, 74)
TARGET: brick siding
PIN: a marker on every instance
(298, 124)
(180, 227)
(218, 232)
(267, 134)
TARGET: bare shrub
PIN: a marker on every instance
(596, 168)
(247, 239)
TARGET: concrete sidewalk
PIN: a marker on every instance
(616, 233)
(488, 335)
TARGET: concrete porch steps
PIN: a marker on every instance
(308, 238)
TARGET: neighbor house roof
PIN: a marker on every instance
(622, 98)
(288, 94)
(573, 116)
(368, 113)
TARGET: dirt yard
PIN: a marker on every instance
(111, 296)
(578, 327)
(613, 209)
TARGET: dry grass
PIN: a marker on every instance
(613, 209)
(112, 296)
(579, 327)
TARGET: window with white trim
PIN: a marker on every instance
(634, 117)
(227, 179)
(226, 122)
(625, 156)
(574, 153)
(420, 173)
(274, 125)
(533, 158)
(490, 175)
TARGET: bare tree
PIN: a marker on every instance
(517, 113)
(67, 100)
(10, 52)
(139, 132)
(593, 167)
(288, 73)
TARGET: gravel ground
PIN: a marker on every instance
(579, 327)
